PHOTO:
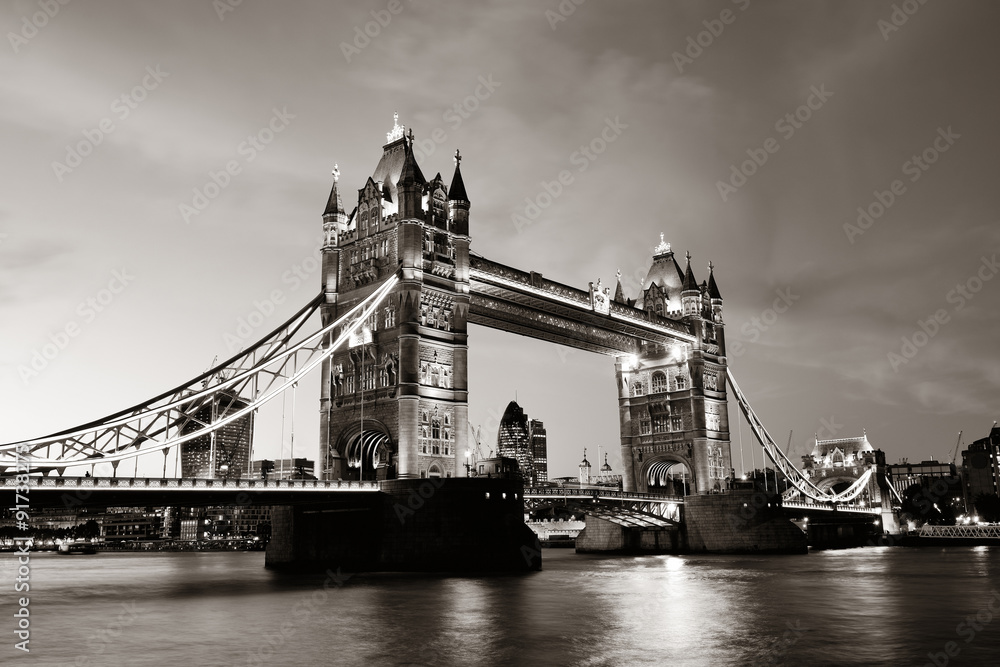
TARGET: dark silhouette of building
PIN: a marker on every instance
(513, 441)
(224, 454)
(539, 450)
(981, 467)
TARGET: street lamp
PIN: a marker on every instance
(468, 464)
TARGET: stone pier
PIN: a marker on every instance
(430, 525)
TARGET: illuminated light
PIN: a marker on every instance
(487, 495)
(630, 363)
(805, 520)
(664, 247)
(504, 496)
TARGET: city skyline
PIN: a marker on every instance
(124, 262)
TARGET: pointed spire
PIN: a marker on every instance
(457, 190)
(619, 292)
(410, 174)
(690, 284)
(334, 204)
(713, 289)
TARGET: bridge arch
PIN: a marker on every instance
(835, 484)
(669, 473)
(369, 450)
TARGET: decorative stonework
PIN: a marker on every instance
(600, 298)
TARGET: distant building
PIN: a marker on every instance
(835, 465)
(225, 522)
(539, 450)
(981, 467)
(607, 476)
(283, 469)
(930, 475)
(225, 454)
(498, 467)
(905, 474)
(585, 469)
(129, 527)
(513, 441)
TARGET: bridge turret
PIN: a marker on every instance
(690, 294)
(410, 187)
(334, 224)
(715, 297)
(458, 200)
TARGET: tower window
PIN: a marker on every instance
(659, 383)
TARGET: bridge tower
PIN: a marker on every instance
(673, 413)
(394, 402)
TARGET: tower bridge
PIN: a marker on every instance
(399, 287)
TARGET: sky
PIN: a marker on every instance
(836, 161)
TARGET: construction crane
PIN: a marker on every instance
(959, 444)
(477, 454)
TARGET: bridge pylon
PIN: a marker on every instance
(394, 403)
(672, 400)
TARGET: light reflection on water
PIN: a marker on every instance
(879, 606)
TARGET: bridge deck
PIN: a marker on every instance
(73, 492)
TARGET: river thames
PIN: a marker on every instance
(875, 606)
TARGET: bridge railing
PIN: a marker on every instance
(601, 493)
(180, 483)
(794, 504)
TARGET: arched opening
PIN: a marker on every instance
(672, 477)
(840, 487)
(434, 471)
(368, 453)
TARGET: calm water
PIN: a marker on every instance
(886, 606)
